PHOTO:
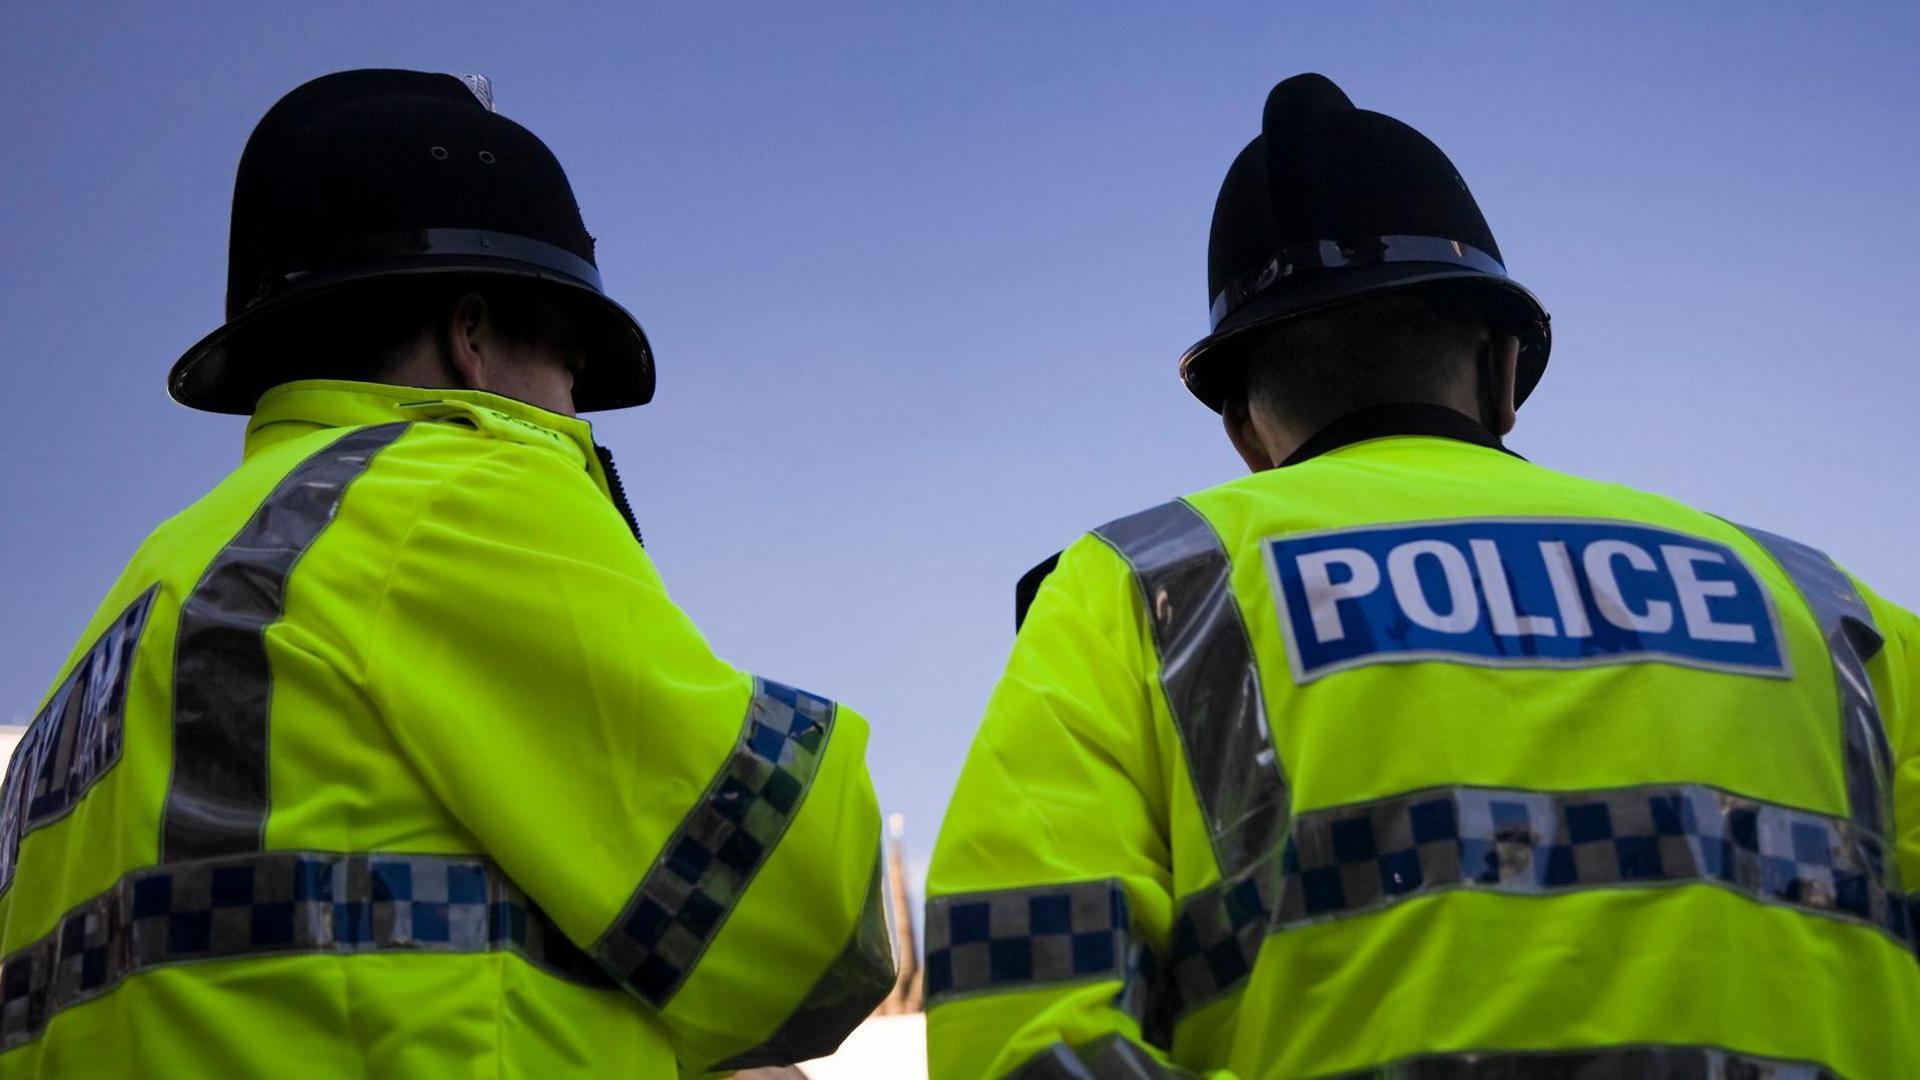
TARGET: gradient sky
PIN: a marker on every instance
(917, 276)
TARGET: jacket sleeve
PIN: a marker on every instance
(1049, 895)
(709, 836)
(1897, 684)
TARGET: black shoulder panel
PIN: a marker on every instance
(1029, 586)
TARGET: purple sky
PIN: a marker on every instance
(917, 282)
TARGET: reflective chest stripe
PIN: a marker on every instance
(1351, 860)
(1209, 675)
(217, 798)
(280, 903)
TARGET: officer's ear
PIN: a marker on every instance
(1237, 417)
(1503, 353)
(470, 340)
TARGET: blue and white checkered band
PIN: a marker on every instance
(1356, 859)
(277, 903)
(1358, 251)
(707, 863)
(1520, 592)
(1017, 939)
(74, 739)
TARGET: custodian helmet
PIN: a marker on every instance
(365, 175)
(1329, 204)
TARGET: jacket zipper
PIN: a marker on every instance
(619, 492)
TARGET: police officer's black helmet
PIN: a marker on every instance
(363, 176)
(1330, 204)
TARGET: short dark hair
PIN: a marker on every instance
(363, 333)
(1412, 345)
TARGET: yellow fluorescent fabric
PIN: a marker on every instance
(1078, 774)
(473, 658)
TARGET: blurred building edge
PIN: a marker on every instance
(891, 1044)
(908, 988)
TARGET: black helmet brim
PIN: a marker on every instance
(1214, 368)
(619, 371)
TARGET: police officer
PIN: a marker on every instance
(1405, 757)
(390, 756)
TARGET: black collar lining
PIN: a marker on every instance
(1400, 418)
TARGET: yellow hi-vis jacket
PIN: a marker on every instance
(1416, 757)
(391, 757)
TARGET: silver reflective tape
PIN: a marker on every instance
(277, 903)
(708, 862)
(1359, 251)
(1609, 1063)
(217, 799)
(1847, 625)
(1209, 675)
(1351, 860)
(481, 87)
(1109, 1057)
(853, 985)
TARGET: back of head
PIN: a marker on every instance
(1415, 345)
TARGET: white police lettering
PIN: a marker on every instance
(1324, 594)
(1657, 619)
(1522, 593)
(1493, 578)
(1463, 606)
(1694, 594)
(1566, 588)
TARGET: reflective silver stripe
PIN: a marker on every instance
(707, 863)
(1610, 1063)
(217, 799)
(1210, 676)
(1042, 935)
(277, 903)
(857, 981)
(1852, 640)
(1355, 859)
(1109, 1057)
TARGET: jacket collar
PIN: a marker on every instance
(1401, 418)
(293, 409)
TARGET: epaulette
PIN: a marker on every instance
(1028, 587)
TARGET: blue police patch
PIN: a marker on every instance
(1534, 592)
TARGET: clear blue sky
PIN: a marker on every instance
(917, 276)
